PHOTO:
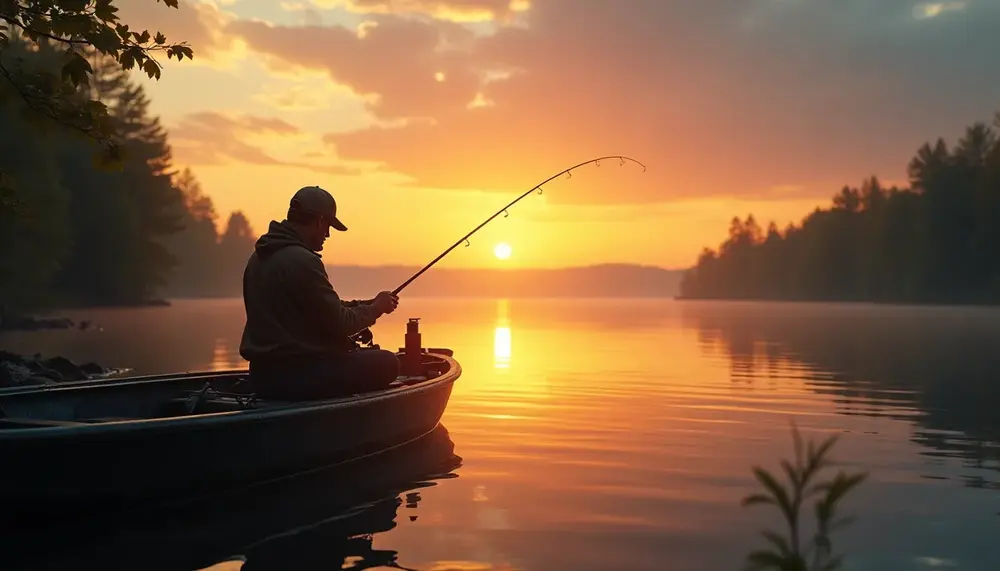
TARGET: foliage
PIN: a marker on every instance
(33, 233)
(791, 553)
(91, 236)
(936, 241)
(78, 26)
(211, 261)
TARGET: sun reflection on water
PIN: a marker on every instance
(502, 336)
(223, 356)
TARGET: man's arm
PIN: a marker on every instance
(340, 318)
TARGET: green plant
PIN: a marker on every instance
(791, 553)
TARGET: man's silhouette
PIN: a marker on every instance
(297, 328)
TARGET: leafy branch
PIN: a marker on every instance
(78, 26)
(787, 553)
(90, 23)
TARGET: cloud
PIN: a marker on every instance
(310, 15)
(294, 98)
(406, 68)
(726, 98)
(209, 138)
(453, 10)
(934, 9)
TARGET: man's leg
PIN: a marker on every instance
(328, 377)
(368, 370)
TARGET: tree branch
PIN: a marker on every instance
(15, 22)
(37, 104)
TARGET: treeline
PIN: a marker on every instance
(75, 234)
(936, 241)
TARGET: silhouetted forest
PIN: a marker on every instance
(73, 234)
(937, 241)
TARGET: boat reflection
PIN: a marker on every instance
(323, 519)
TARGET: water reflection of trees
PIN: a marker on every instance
(326, 519)
(876, 361)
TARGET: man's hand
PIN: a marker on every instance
(385, 302)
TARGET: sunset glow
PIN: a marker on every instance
(502, 251)
(422, 118)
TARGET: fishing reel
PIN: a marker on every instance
(363, 338)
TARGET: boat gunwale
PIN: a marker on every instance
(213, 418)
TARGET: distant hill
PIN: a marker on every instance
(606, 280)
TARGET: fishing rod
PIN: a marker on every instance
(538, 187)
(365, 335)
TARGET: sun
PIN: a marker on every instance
(502, 251)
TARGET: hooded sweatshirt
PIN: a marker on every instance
(291, 308)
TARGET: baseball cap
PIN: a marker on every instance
(317, 201)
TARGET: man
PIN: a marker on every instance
(297, 328)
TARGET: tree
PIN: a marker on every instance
(89, 236)
(196, 203)
(34, 239)
(196, 245)
(936, 241)
(75, 26)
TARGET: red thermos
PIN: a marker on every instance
(412, 348)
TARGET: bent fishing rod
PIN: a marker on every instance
(503, 210)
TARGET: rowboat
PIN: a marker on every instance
(109, 443)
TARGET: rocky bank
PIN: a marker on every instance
(17, 370)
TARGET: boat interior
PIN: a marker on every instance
(154, 397)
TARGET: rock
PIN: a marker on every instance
(52, 374)
(7, 378)
(16, 370)
(38, 368)
(13, 374)
(67, 369)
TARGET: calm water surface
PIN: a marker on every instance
(620, 434)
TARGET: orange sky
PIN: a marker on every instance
(425, 116)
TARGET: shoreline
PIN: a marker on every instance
(47, 319)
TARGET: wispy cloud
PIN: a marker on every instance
(926, 10)
(727, 98)
(453, 10)
(210, 138)
(813, 95)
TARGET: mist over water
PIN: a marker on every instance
(620, 434)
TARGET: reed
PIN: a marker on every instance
(791, 552)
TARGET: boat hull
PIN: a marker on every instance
(118, 463)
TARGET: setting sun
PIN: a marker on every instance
(502, 251)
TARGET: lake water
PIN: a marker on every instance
(620, 434)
